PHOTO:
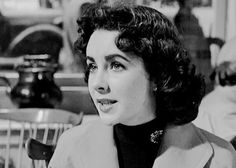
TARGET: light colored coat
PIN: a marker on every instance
(92, 146)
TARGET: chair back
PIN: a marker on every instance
(43, 125)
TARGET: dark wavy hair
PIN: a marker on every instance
(149, 35)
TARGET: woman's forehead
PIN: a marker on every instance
(100, 41)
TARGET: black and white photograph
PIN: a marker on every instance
(117, 84)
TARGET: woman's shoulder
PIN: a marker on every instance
(215, 140)
(69, 147)
(75, 133)
(224, 152)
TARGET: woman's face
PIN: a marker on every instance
(118, 83)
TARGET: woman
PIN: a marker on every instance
(146, 94)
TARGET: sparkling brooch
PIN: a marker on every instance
(155, 136)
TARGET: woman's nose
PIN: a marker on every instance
(101, 84)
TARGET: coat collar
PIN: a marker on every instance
(184, 147)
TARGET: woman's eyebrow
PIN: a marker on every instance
(113, 56)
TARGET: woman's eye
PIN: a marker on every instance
(91, 67)
(116, 66)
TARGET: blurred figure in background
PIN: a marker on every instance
(217, 111)
(194, 40)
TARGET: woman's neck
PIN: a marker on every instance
(139, 133)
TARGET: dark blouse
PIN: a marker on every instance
(135, 149)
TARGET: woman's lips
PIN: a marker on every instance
(105, 105)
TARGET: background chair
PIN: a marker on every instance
(43, 125)
(39, 151)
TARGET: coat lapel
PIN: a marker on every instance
(184, 147)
